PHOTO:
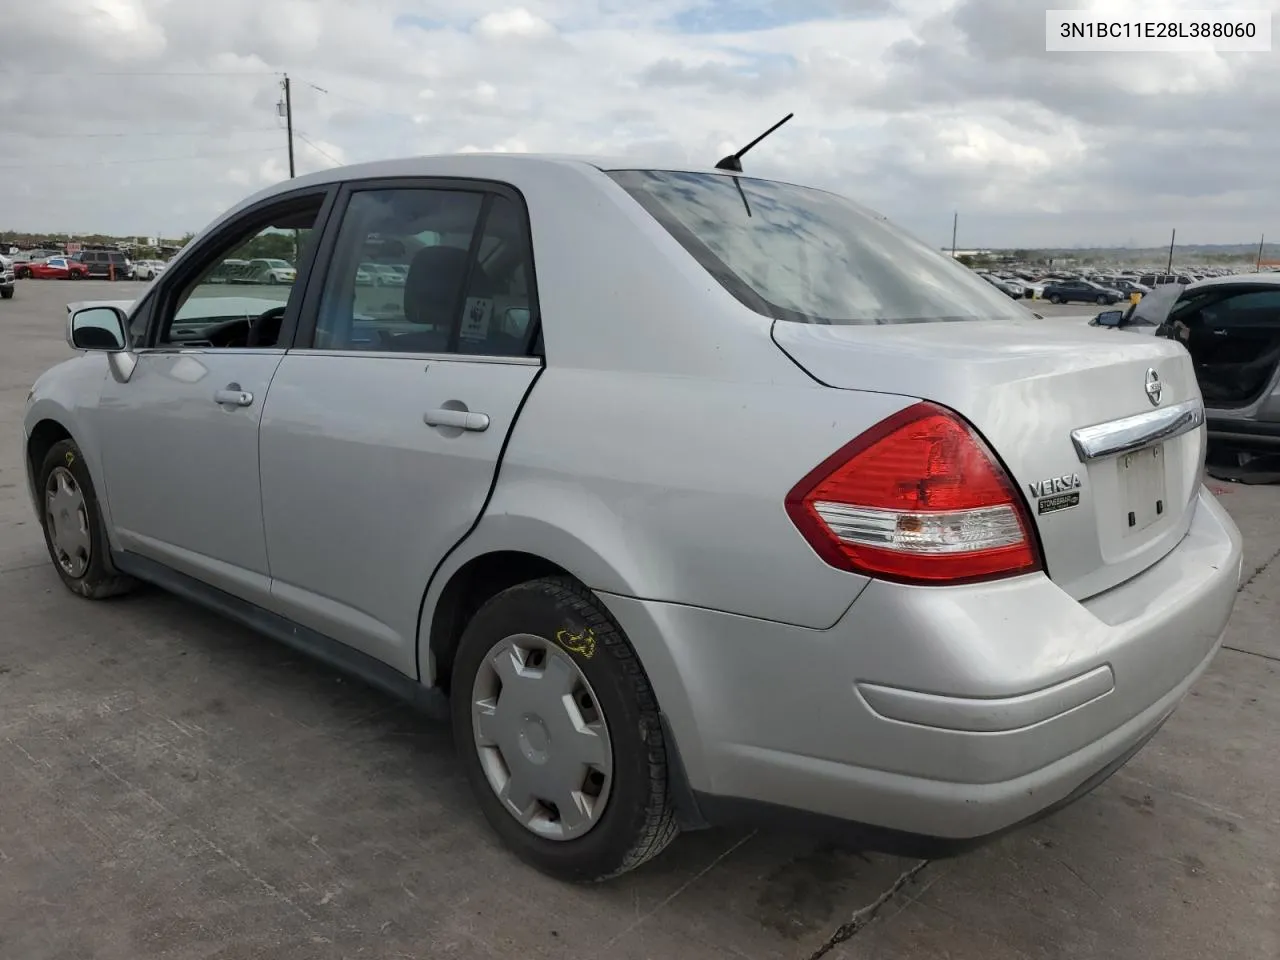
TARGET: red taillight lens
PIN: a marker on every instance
(918, 498)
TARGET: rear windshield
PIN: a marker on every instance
(805, 255)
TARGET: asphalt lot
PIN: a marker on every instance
(174, 786)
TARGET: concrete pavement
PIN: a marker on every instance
(173, 786)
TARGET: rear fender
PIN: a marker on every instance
(552, 535)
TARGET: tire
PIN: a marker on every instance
(1055, 298)
(6, 293)
(637, 821)
(1104, 301)
(74, 275)
(98, 579)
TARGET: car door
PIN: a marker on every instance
(1233, 335)
(385, 424)
(180, 435)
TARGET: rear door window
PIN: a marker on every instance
(429, 270)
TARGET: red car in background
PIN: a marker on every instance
(55, 268)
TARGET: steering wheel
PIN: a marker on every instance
(264, 329)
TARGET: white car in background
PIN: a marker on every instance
(148, 269)
(270, 270)
(385, 274)
(1034, 288)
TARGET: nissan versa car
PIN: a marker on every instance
(694, 498)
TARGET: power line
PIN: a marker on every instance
(362, 104)
(143, 73)
(307, 140)
(148, 133)
(96, 163)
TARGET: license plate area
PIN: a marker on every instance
(1142, 483)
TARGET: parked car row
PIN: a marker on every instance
(91, 264)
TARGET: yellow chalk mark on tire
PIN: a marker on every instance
(583, 643)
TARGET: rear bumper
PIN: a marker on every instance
(942, 713)
(710, 809)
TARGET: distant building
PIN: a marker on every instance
(967, 253)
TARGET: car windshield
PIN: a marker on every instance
(800, 254)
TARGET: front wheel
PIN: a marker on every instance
(1055, 298)
(74, 275)
(557, 729)
(6, 293)
(72, 523)
(1103, 301)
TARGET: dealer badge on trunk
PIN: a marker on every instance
(1056, 493)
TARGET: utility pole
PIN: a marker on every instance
(955, 225)
(1169, 268)
(287, 110)
(1257, 268)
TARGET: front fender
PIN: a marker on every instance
(68, 396)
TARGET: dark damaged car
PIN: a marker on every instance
(1231, 328)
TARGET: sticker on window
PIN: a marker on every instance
(475, 318)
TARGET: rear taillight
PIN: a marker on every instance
(918, 498)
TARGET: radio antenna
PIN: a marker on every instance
(733, 162)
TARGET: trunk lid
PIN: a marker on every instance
(1026, 387)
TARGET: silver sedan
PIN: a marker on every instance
(691, 497)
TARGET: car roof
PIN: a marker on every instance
(424, 165)
(481, 165)
(1237, 279)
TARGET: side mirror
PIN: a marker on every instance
(1109, 318)
(97, 328)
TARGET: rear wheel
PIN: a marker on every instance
(1055, 298)
(74, 275)
(72, 524)
(558, 732)
(1103, 301)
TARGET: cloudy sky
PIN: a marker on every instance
(152, 116)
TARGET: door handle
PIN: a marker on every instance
(239, 398)
(461, 419)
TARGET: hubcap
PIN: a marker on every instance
(541, 737)
(68, 522)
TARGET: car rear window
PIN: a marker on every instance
(804, 255)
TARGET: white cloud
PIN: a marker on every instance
(914, 107)
(514, 24)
